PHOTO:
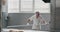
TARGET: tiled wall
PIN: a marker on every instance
(20, 18)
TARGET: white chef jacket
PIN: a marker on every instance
(36, 22)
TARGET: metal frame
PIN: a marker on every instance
(53, 9)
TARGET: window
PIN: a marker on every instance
(42, 7)
(24, 6)
(13, 6)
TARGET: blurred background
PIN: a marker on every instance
(16, 12)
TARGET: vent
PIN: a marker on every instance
(46, 1)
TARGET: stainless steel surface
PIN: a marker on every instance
(21, 27)
(55, 16)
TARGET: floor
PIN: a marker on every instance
(7, 30)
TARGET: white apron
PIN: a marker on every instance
(36, 22)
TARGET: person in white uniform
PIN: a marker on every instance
(37, 21)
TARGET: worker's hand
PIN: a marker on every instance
(28, 20)
(27, 23)
(44, 22)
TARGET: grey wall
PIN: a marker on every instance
(57, 21)
(0, 15)
(57, 3)
(20, 18)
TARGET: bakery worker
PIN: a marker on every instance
(37, 21)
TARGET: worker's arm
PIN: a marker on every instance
(43, 22)
(30, 19)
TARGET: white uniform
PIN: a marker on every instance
(36, 22)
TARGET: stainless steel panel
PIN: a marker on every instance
(55, 15)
